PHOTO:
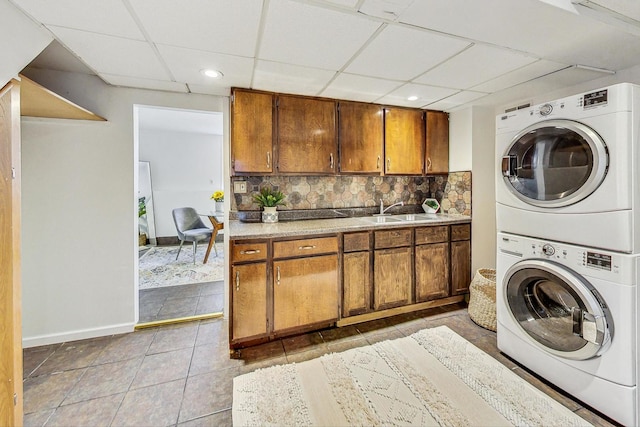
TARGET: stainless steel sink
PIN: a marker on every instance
(417, 217)
(380, 219)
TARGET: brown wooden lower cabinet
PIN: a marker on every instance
(356, 283)
(392, 277)
(305, 291)
(460, 267)
(249, 299)
(432, 271)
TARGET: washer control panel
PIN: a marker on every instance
(589, 262)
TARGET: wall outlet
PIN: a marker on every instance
(239, 187)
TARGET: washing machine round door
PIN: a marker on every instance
(555, 163)
(557, 309)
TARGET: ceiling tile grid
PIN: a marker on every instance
(447, 53)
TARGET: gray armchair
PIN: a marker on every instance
(190, 228)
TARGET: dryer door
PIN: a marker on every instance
(555, 163)
(557, 309)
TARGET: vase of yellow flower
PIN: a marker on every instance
(218, 198)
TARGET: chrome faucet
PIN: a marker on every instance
(383, 210)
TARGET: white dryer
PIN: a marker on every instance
(570, 169)
(568, 313)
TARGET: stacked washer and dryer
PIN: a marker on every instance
(568, 248)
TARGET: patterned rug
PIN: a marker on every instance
(431, 378)
(159, 268)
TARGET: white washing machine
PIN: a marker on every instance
(570, 169)
(568, 313)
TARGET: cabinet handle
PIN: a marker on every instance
(378, 163)
(278, 275)
(331, 161)
(306, 248)
(388, 164)
(268, 159)
(428, 163)
(237, 281)
(250, 252)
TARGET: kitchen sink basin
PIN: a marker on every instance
(417, 217)
(381, 219)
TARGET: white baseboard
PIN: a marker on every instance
(36, 341)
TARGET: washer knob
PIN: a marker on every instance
(548, 250)
(546, 109)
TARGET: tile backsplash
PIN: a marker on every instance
(453, 191)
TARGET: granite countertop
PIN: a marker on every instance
(238, 230)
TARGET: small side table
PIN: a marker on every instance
(217, 226)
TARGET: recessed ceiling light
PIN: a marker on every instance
(412, 98)
(214, 74)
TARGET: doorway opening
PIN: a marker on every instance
(180, 164)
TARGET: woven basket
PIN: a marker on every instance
(482, 298)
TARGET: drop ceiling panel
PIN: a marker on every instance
(476, 65)
(359, 88)
(385, 9)
(425, 94)
(521, 75)
(126, 81)
(99, 16)
(303, 34)
(401, 53)
(277, 77)
(113, 55)
(456, 99)
(186, 64)
(221, 26)
(210, 90)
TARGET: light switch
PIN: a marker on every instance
(239, 187)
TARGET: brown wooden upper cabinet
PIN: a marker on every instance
(252, 132)
(307, 141)
(437, 159)
(404, 136)
(361, 136)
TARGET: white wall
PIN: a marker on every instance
(79, 210)
(21, 41)
(186, 168)
(460, 140)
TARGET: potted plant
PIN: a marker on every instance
(269, 199)
(430, 206)
(218, 198)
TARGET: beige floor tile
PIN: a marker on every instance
(127, 346)
(157, 405)
(37, 419)
(212, 357)
(73, 355)
(96, 412)
(207, 393)
(220, 419)
(48, 391)
(174, 338)
(163, 367)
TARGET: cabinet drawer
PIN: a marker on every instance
(354, 242)
(304, 247)
(461, 232)
(432, 235)
(242, 252)
(392, 238)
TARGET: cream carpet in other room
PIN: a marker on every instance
(159, 268)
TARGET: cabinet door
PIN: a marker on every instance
(361, 133)
(404, 141)
(392, 278)
(460, 266)
(437, 160)
(249, 299)
(305, 291)
(307, 140)
(432, 271)
(356, 283)
(252, 132)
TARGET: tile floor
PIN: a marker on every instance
(173, 302)
(181, 375)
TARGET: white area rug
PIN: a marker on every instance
(431, 378)
(159, 268)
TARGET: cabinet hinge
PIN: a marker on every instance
(233, 97)
(13, 173)
(15, 399)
